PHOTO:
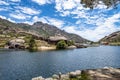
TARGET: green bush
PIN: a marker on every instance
(84, 76)
(32, 45)
(61, 44)
(69, 43)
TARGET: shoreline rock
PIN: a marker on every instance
(106, 73)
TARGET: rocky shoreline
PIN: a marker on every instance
(106, 73)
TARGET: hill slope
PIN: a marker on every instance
(112, 38)
(39, 28)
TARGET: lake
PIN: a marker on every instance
(24, 65)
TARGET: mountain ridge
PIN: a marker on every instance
(43, 29)
(112, 38)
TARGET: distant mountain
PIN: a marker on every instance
(39, 28)
(114, 37)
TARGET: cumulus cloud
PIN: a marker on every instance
(68, 7)
(69, 15)
(9, 19)
(42, 19)
(19, 16)
(2, 9)
(3, 2)
(42, 2)
(29, 11)
(3, 17)
(91, 24)
(51, 21)
(15, 0)
(102, 28)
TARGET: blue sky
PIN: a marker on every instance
(68, 15)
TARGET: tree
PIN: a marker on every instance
(61, 44)
(32, 45)
(69, 43)
(93, 3)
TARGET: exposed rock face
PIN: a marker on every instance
(38, 28)
(16, 44)
(107, 73)
(50, 30)
(114, 37)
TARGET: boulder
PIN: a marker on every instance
(50, 79)
(55, 76)
(72, 75)
(38, 78)
(72, 47)
(78, 72)
(65, 77)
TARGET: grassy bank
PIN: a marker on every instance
(115, 44)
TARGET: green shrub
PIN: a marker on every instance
(32, 45)
(84, 76)
(61, 44)
(69, 43)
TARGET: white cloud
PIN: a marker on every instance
(1, 9)
(51, 21)
(42, 19)
(11, 20)
(48, 20)
(5, 8)
(15, 0)
(42, 2)
(82, 17)
(73, 7)
(3, 2)
(104, 24)
(28, 22)
(19, 16)
(3, 17)
(66, 13)
(29, 11)
(68, 4)
(103, 28)
(55, 22)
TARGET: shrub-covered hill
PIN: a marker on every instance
(112, 38)
(38, 28)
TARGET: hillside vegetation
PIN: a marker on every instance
(38, 28)
(112, 39)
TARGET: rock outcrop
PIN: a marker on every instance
(106, 73)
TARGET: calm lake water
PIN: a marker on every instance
(23, 65)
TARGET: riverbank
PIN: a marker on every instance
(106, 73)
(115, 44)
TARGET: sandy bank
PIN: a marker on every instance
(44, 48)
